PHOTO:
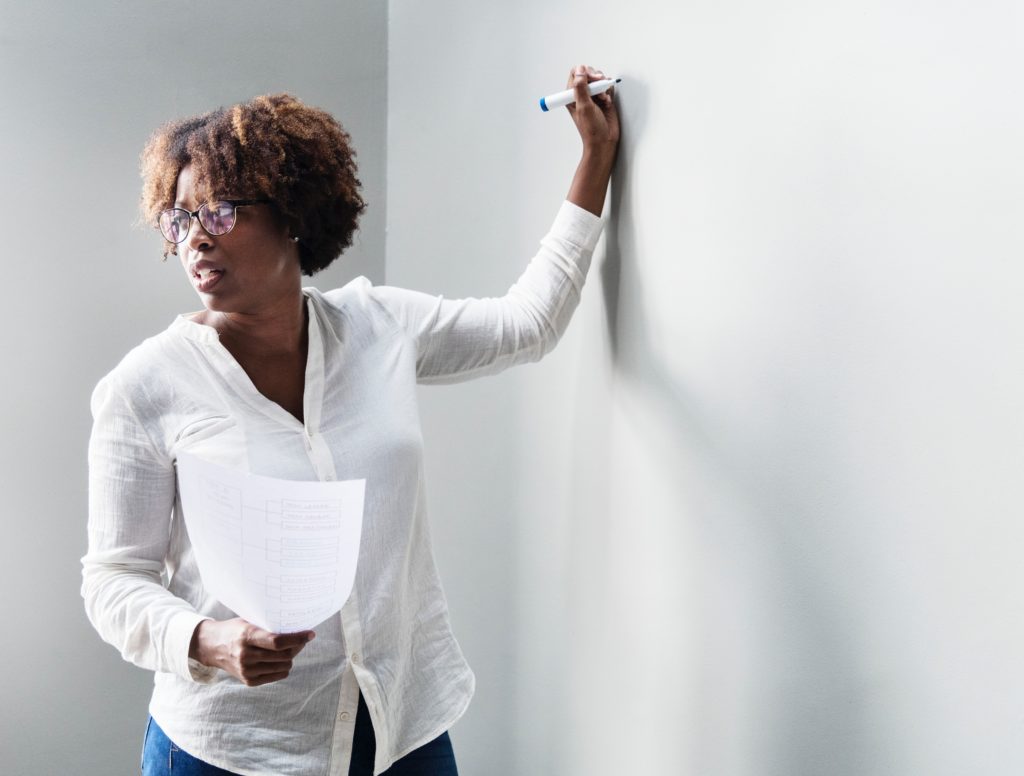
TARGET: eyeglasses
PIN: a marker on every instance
(216, 218)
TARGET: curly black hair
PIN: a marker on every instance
(273, 147)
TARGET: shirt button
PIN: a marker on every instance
(344, 716)
(355, 657)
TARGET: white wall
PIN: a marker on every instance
(759, 513)
(83, 85)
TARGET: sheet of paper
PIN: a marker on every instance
(279, 553)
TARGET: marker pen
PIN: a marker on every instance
(559, 99)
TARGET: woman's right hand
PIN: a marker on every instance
(249, 653)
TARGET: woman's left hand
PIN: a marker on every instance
(596, 117)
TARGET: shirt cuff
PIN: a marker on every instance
(577, 226)
(179, 639)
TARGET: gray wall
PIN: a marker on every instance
(759, 513)
(83, 86)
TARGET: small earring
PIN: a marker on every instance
(295, 239)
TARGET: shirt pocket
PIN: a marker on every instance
(199, 430)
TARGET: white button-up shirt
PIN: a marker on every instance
(182, 390)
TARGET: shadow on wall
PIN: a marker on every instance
(740, 522)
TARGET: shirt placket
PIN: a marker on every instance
(322, 459)
(354, 679)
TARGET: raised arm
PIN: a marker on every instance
(458, 339)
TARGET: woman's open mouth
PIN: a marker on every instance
(205, 279)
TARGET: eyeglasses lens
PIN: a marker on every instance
(217, 217)
(174, 224)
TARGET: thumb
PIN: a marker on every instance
(278, 641)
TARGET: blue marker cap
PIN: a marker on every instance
(543, 105)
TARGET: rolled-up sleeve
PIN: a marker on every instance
(131, 499)
(458, 339)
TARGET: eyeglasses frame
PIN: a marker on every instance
(235, 203)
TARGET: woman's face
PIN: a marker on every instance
(246, 270)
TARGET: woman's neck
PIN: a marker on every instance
(279, 329)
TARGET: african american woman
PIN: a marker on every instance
(276, 379)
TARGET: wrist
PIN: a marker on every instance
(600, 154)
(197, 647)
(590, 183)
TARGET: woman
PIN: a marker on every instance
(275, 379)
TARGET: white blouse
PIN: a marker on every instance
(182, 390)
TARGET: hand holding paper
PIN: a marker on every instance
(246, 651)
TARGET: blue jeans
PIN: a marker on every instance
(162, 757)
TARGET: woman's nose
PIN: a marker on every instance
(197, 238)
